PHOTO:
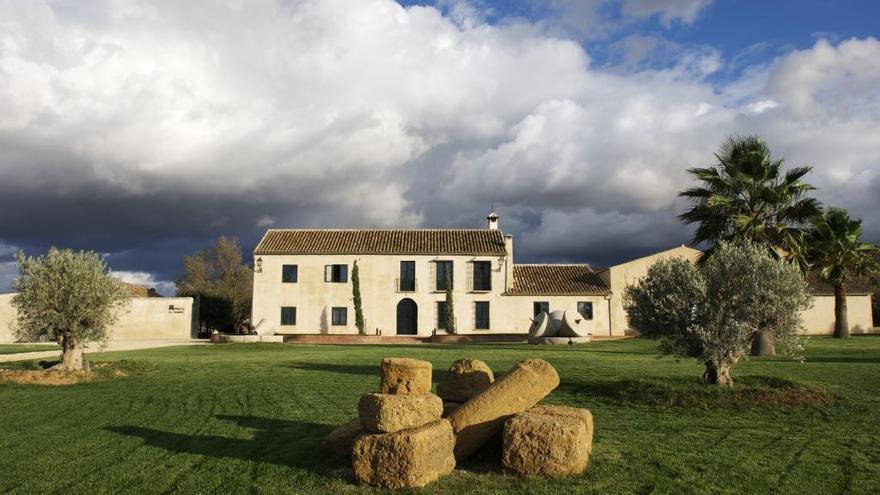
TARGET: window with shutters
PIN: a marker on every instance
(585, 308)
(339, 316)
(336, 273)
(289, 274)
(288, 315)
(444, 275)
(481, 315)
(540, 307)
(482, 280)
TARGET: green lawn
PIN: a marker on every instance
(250, 419)
(20, 348)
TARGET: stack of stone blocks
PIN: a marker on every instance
(405, 436)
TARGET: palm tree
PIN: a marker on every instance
(838, 254)
(746, 197)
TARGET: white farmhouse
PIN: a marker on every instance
(302, 284)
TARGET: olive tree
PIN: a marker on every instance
(714, 311)
(67, 296)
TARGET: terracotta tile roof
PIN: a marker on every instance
(382, 241)
(556, 280)
(135, 290)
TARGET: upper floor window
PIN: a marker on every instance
(444, 275)
(288, 315)
(336, 273)
(289, 274)
(339, 316)
(482, 275)
(407, 276)
(540, 307)
(585, 308)
(481, 315)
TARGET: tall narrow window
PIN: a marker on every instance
(540, 307)
(339, 316)
(407, 276)
(585, 308)
(288, 315)
(336, 273)
(289, 274)
(481, 315)
(441, 315)
(444, 274)
(482, 275)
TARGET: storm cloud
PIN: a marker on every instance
(144, 129)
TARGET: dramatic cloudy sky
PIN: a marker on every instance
(143, 129)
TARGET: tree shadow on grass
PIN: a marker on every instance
(296, 444)
(437, 375)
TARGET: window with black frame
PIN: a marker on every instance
(339, 316)
(407, 276)
(540, 307)
(288, 315)
(444, 274)
(481, 315)
(585, 308)
(289, 274)
(482, 275)
(336, 273)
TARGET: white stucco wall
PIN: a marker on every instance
(143, 318)
(819, 320)
(314, 298)
(618, 277)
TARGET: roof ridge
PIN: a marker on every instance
(387, 229)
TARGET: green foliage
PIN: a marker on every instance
(222, 284)
(836, 250)
(714, 311)
(356, 295)
(748, 197)
(66, 294)
(450, 308)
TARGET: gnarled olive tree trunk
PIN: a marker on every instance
(762, 344)
(718, 373)
(72, 356)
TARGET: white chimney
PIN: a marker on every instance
(493, 220)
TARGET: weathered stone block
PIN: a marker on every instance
(408, 458)
(405, 376)
(342, 439)
(387, 413)
(448, 407)
(466, 378)
(548, 441)
(482, 417)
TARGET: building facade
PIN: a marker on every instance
(303, 284)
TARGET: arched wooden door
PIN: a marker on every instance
(407, 317)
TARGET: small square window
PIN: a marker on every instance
(585, 308)
(288, 315)
(336, 273)
(339, 316)
(540, 307)
(289, 274)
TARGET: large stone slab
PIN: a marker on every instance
(341, 440)
(404, 459)
(405, 376)
(482, 417)
(466, 378)
(548, 441)
(387, 413)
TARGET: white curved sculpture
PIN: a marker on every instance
(557, 328)
(572, 327)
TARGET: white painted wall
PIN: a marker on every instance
(314, 298)
(819, 320)
(143, 318)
